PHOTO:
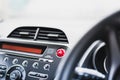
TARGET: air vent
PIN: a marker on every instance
(50, 34)
(39, 33)
(24, 33)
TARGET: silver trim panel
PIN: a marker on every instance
(87, 53)
(81, 71)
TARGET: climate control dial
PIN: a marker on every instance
(15, 75)
(16, 72)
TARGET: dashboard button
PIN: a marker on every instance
(5, 59)
(44, 76)
(47, 67)
(35, 65)
(60, 53)
(50, 61)
(32, 74)
(25, 63)
(3, 67)
(37, 75)
(15, 61)
(45, 60)
(2, 71)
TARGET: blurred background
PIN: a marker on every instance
(58, 9)
(72, 16)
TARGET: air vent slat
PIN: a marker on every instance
(26, 30)
(42, 34)
(14, 35)
(24, 33)
(61, 39)
(18, 33)
(62, 36)
(54, 32)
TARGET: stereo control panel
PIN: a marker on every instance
(20, 61)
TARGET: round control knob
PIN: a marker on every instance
(15, 75)
(16, 72)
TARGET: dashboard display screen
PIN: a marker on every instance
(22, 48)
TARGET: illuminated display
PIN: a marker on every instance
(22, 48)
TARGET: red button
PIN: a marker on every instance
(60, 53)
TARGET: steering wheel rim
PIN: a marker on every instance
(105, 31)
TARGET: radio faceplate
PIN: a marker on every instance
(33, 66)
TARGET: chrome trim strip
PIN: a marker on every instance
(82, 60)
(24, 33)
(102, 44)
(38, 29)
(52, 35)
(81, 71)
(105, 65)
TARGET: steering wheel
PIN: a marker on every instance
(106, 31)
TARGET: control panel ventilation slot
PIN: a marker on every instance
(24, 33)
(39, 33)
(50, 34)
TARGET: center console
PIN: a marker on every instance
(29, 61)
(32, 53)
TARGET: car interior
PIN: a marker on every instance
(59, 40)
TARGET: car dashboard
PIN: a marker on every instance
(23, 57)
